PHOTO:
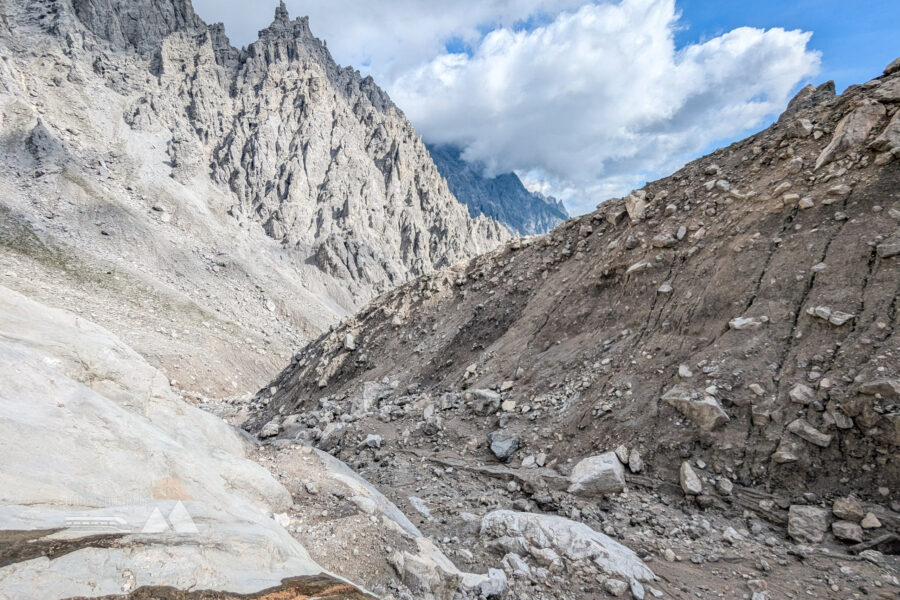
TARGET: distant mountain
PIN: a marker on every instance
(502, 198)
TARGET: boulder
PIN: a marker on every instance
(503, 445)
(847, 531)
(636, 205)
(802, 394)
(870, 521)
(602, 474)
(851, 132)
(690, 482)
(542, 535)
(802, 429)
(892, 68)
(486, 402)
(807, 523)
(848, 509)
(703, 410)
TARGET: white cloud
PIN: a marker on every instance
(587, 105)
(601, 97)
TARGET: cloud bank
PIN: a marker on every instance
(584, 99)
(601, 97)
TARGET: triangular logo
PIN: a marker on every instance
(156, 523)
(181, 521)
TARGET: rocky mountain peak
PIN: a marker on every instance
(297, 28)
(137, 24)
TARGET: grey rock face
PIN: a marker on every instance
(502, 198)
(316, 154)
(137, 24)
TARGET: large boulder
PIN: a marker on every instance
(602, 474)
(542, 535)
(852, 131)
(702, 409)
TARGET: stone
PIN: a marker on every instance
(802, 394)
(664, 240)
(747, 323)
(493, 585)
(690, 482)
(888, 91)
(703, 410)
(724, 486)
(848, 509)
(635, 462)
(889, 249)
(508, 405)
(349, 342)
(781, 188)
(886, 388)
(515, 563)
(372, 441)
(597, 475)
(684, 372)
(806, 202)
(756, 389)
(615, 587)
(636, 205)
(802, 429)
(503, 445)
(486, 402)
(835, 317)
(889, 140)
(807, 523)
(851, 131)
(622, 453)
(847, 531)
(549, 537)
(870, 521)
(270, 429)
(893, 67)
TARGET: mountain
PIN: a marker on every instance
(215, 207)
(705, 368)
(502, 198)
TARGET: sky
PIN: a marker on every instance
(588, 99)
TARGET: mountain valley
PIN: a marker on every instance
(257, 340)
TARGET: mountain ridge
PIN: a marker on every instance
(503, 197)
(288, 189)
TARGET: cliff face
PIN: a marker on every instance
(502, 198)
(270, 185)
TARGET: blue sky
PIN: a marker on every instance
(857, 38)
(587, 99)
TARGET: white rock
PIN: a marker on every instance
(603, 474)
(535, 533)
(110, 425)
(690, 482)
(742, 323)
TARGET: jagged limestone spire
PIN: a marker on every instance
(281, 14)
